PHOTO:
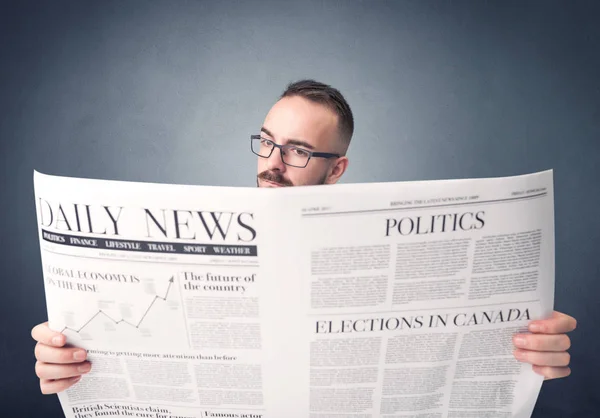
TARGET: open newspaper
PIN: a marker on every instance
(362, 300)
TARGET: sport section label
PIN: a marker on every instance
(150, 246)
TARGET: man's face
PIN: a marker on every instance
(312, 126)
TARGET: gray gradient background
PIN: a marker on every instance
(170, 91)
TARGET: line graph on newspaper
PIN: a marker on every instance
(122, 320)
(151, 310)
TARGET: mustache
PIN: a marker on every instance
(275, 177)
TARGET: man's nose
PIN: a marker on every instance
(274, 162)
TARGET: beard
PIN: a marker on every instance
(277, 178)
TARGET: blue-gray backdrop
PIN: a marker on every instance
(168, 91)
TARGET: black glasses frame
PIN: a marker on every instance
(286, 147)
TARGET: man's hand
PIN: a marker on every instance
(58, 367)
(546, 347)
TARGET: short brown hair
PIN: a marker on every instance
(328, 96)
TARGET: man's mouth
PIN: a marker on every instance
(269, 183)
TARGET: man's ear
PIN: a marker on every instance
(337, 170)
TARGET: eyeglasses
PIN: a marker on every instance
(290, 154)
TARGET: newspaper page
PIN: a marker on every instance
(410, 294)
(374, 300)
(162, 285)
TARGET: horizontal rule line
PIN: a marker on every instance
(123, 260)
(113, 244)
(444, 205)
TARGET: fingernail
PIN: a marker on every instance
(79, 355)
(58, 340)
(76, 379)
(536, 328)
(520, 342)
(520, 355)
(84, 368)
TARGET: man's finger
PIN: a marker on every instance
(43, 334)
(540, 358)
(61, 371)
(552, 372)
(54, 386)
(559, 323)
(64, 355)
(542, 342)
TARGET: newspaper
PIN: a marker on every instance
(363, 300)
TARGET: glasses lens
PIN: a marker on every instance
(296, 157)
(262, 146)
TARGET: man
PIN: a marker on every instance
(303, 141)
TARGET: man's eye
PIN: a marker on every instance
(300, 152)
(266, 142)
